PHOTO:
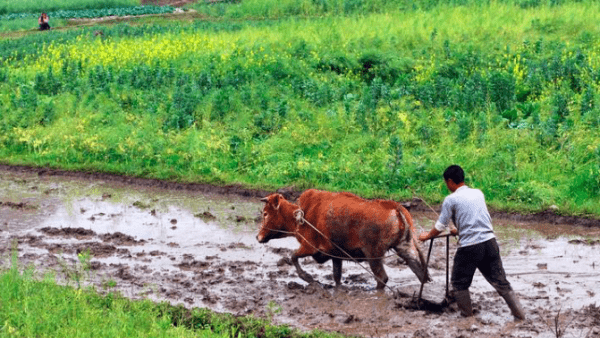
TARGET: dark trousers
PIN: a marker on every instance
(44, 26)
(485, 257)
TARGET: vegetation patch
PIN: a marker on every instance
(374, 103)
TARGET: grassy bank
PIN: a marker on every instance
(38, 307)
(377, 103)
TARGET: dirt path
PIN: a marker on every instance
(177, 3)
(195, 245)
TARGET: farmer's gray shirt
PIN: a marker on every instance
(466, 208)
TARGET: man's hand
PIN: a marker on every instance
(454, 231)
(424, 236)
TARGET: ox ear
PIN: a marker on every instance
(277, 201)
(274, 199)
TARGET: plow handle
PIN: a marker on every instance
(447, 262)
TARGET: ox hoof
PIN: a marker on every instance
(307, 278)
(340, 291)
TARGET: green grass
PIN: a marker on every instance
(374, 103)
(28, 25)
(304, 8)
(13, 6)
(32, 308)
(39, 307)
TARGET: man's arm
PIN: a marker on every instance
(429, 235)
(434, 233)
(441, 224)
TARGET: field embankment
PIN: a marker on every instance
(374, 103)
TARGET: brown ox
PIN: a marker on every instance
(347, 226)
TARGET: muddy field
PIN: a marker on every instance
(195, 245)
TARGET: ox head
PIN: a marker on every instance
(410, 250)
(278, 218)
(413, 255)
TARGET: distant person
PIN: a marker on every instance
(478, 249)
(44, 20)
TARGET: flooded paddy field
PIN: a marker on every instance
(197, 247)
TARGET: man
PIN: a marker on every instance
(44, 22)
(477, 246)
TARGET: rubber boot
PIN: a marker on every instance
(513, 303)
(463, 300)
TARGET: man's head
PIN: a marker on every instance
(454, 177)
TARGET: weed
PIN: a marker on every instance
(77, 271)
(141, 205)
(109, 284)
(556, 325)
(272, 309)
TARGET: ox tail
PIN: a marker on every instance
(409, 248)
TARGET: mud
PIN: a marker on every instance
(195, 245)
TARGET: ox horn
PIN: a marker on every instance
(264, 199)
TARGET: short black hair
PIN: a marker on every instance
(455, 173)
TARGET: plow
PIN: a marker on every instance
(432, 302)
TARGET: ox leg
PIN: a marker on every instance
(379, 271)
(337, 271)
(305, 276)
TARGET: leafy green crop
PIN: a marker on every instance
(95, 13)
(36, 6)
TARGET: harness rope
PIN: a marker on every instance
(299, 215)
(323, 252)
